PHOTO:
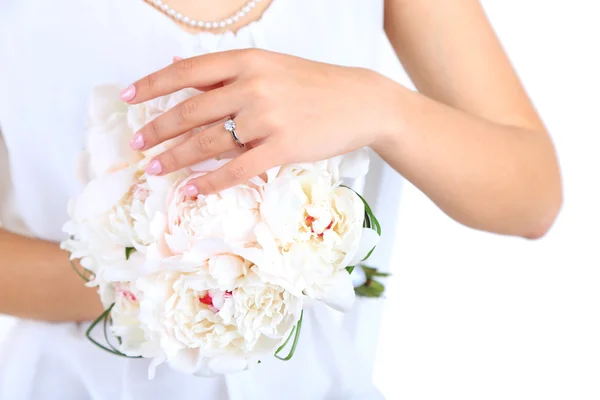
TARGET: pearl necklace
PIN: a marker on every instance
(199, 24)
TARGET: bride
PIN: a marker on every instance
(302, 79)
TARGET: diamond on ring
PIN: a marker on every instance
(230, 127)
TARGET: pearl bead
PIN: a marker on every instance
(250, 4)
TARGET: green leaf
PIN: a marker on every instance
(371, 222)
(375, 285)
(350, 269)
(297, 330)
(370, 272)
(372, 287)
(365, 291)
(128, 251)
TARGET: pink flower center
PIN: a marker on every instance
(206, 299)
(309, 221)
(127, 294)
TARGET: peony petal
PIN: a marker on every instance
(105, 102)
(358, 276)
(354, 165)
(272, 174)
(338, 293)
(368, 240)
(227, 364)
(209, 165)
(101, 194)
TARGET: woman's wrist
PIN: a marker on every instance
(389, 96)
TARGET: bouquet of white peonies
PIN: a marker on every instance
(210, 284)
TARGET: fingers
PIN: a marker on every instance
(196, 72)
(200, 146)
(196, 111)
(237, 171)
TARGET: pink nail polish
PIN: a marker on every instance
(128, 93)
(177, 58)
(137, 141)
(154, 167)
(190, 190)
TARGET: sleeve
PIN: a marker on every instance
(9, 218)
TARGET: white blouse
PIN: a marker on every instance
(52, 53)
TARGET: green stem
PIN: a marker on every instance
(82, 276)
(298, 328)
(103, 318)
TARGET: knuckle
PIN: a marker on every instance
(169, 161)
(250, 58)
(259, 88)
(272, 122)
(151, 83)
(184, 67)
(208, 185)
(151, 134)
(238, 172)
(187, 110)
(203, 143)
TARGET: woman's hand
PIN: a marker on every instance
(286, 109)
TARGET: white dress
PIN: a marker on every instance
(51, 55)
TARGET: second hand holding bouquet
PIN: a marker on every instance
(210, 284)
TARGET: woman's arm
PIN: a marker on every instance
(473, 141)
(37, 282)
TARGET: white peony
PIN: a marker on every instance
(113, 213)
(231, 214)
(100, 227)
(107, 138)
(216, 317)
(349, 166)
(311, 230)
(125, 301)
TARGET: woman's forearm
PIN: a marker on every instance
(37, 282)
(497, 178)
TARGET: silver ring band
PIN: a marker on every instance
(230, 127)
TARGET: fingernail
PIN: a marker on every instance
(137, 141)
(190, 190)
(177, 58)
(154, 167)
(128, 93)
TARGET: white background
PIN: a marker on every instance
(477, 316)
